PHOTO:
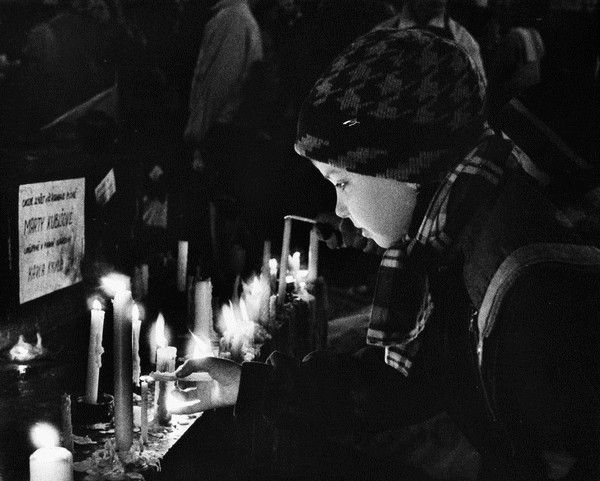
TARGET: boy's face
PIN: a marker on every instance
(381, 208)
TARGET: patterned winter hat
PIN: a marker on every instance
(400, 104)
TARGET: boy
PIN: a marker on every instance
(397, 125)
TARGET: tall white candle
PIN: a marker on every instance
(50, 462)
(182, 262)
(285, 252)
(144, 410)
(203, 315)
(123, 371)
(95, 351)
(313, 255)
(136, 326)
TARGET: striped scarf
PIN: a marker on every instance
(402, 303)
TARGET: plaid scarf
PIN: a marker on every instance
(402, 303)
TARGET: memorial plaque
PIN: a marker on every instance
(51, 236)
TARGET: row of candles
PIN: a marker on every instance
(55, 463)
(237, 324)
(269, 266)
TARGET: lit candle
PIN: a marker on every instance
(123, 374)
(313, 255)
(285, 252)
(182, 262)
(165, 362)
(50, 462)
(95, 351)
(203, 316)
(144, 410)
(136, 325)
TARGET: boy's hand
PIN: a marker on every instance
(220, 392)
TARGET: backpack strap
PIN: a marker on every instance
(582, 257)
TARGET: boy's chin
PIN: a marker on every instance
(381, 242)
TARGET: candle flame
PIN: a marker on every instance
(253, 287)
(44, 435)
(24, 351)
(161, 338)
(115, 282)
(273, 267)
(244, 311)
(97, 305)
(237, 327)
(202, 347)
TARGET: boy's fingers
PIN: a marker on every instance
(194, 365)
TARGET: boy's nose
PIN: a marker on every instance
(340, 208)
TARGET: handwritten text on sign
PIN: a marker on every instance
(51, 236)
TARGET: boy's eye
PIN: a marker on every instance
(340, 185)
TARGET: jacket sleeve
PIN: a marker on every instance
(339, 394)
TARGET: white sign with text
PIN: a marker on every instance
(51, 236)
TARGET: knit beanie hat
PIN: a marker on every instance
(400, 104)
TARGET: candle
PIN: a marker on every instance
(266, 259)
(136, 326)
(203, 316)
(67, 425)
(144, 410)
(272, 275)
(313, 255)
(295, 264)
(285, 252)
(95, 351)
(123, 374)
(182, 261)
(295, 268)
(50, 462)
(165, 362)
